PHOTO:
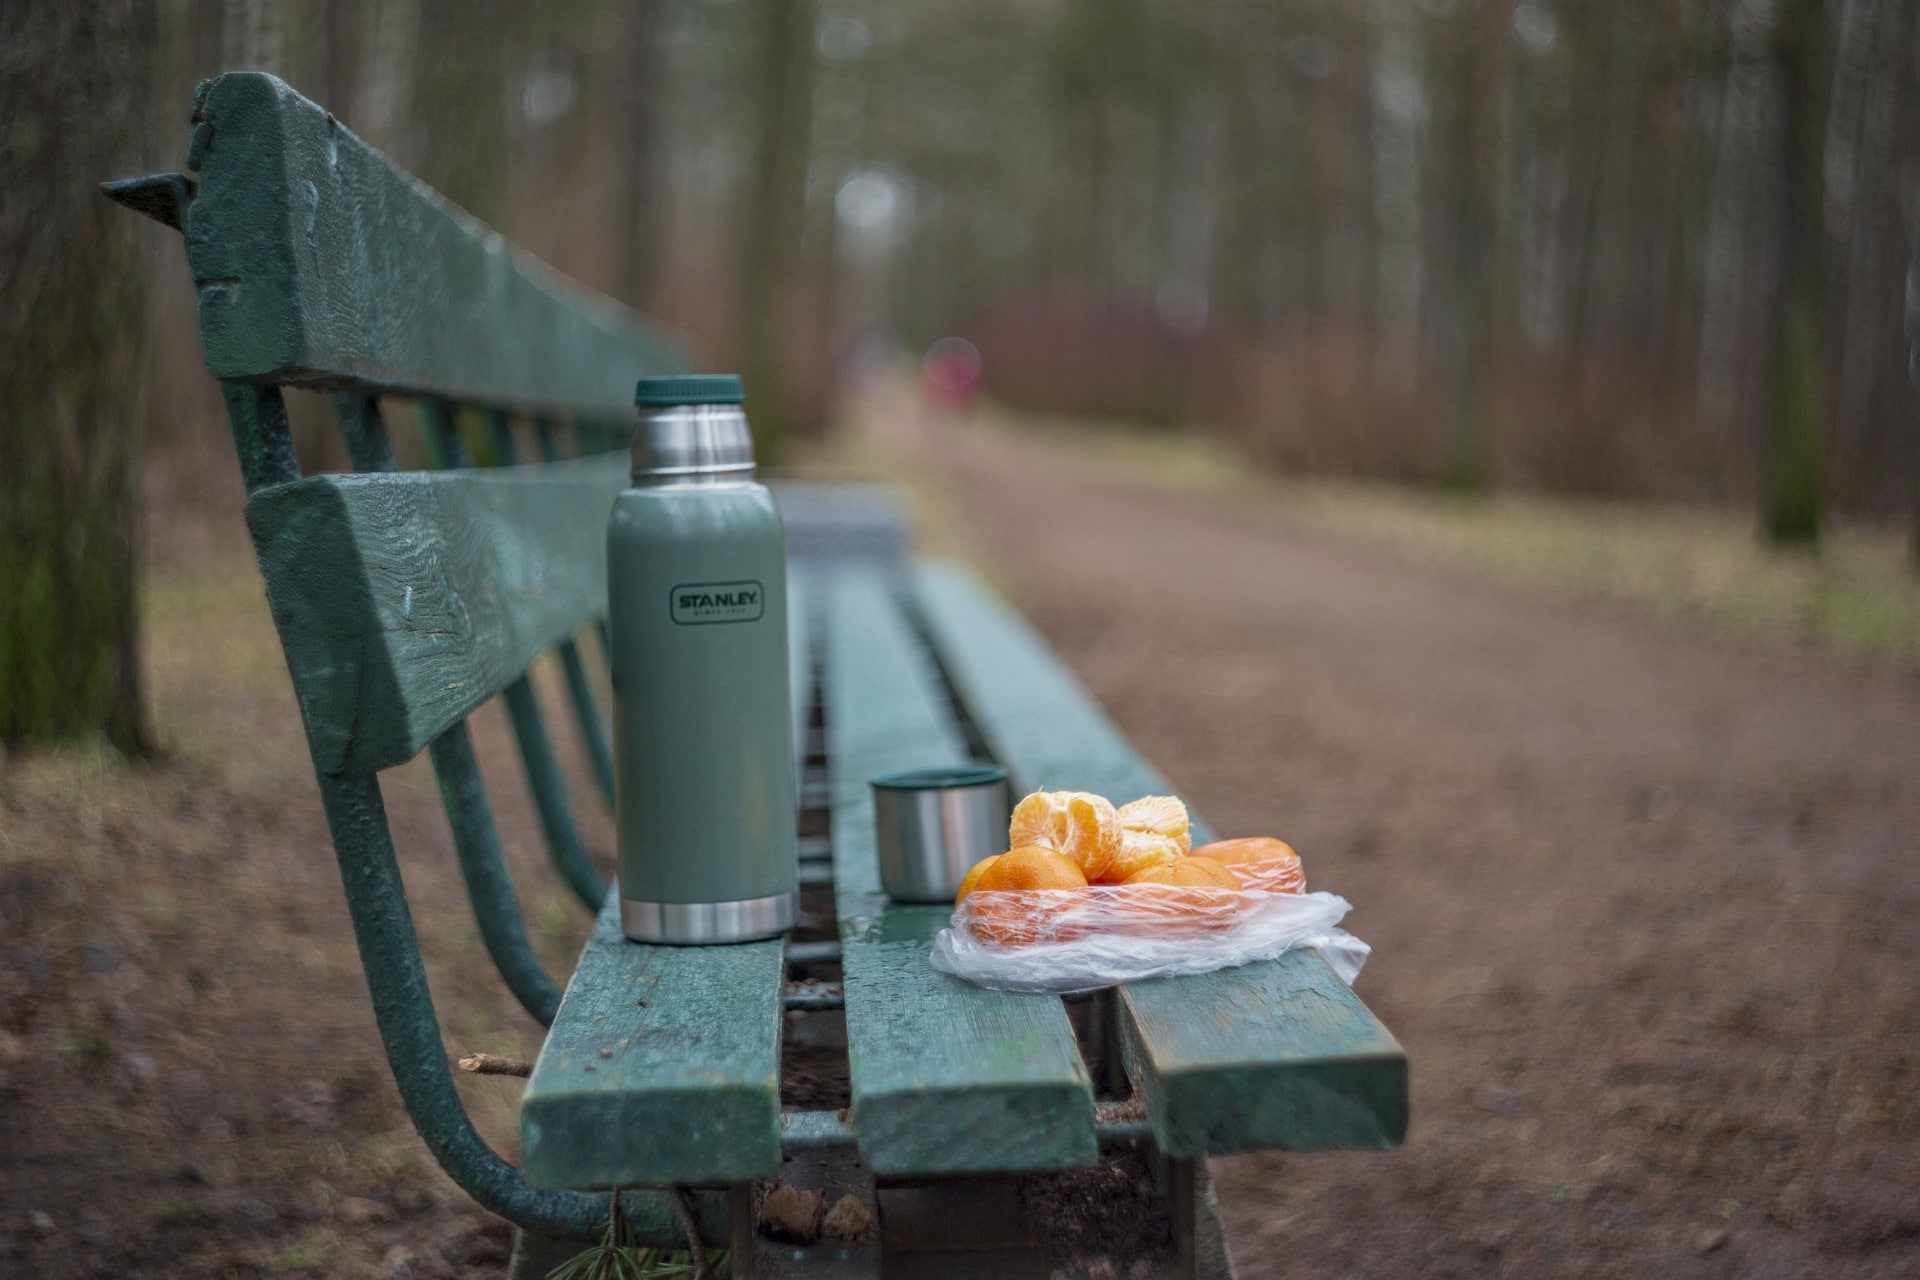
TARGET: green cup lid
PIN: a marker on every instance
(688, 388)
(939, 778)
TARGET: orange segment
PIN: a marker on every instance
(1139, 850)
(1026, 896)
(1261, 862)
(1157, 815)
(972, 879)
(1079, 824)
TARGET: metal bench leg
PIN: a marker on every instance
(1197, 1228)
(495, 908)
(550, 795)
(403, 1008)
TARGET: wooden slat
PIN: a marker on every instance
(1279, 1054)
(1275, 1054)
(947, 1077)
(405, 600)
(321, 263)
(663, 1066)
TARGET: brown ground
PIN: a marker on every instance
(1642, 898)
(190, 1079)
(1645, 902)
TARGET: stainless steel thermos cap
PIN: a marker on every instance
(932, 825)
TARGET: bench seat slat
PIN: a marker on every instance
(1273, 1054)
(407, 599)
(663, 1066)
(321, 263)
(947, 1077)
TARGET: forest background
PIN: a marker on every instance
(1646, 250)
(1652, 249)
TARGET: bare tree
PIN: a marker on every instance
(637, 107)
(74, 87)
(1795, 486)
(774, 205)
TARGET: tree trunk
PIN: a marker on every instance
(1795, 486)
(464, 89)
(637, 175)
(75, 83)
(1473, 297)
(775, 203)
(1913, 354)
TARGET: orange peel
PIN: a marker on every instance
(1261, 862)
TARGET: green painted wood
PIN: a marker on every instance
(1266, 1055)
(1277, 1054)
(550, 797)
(586, 709)
(947, 1077)
(406, 600)
(320, 263)
(663, 1067)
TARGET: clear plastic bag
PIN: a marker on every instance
(1073, 940)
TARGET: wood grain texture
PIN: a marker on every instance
(1274, 1054)
(663, 1067)
(405, 600)
(947, 1077)
(321, 263)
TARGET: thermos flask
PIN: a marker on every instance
(697, 611)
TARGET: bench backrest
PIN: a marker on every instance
(405, 600)
(320, 263)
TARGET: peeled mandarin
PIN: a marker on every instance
(1140, 850)
(1079, 824)
(971, 880)
(1261, 862)
(1157, 815)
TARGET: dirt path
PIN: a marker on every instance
(1643, 900)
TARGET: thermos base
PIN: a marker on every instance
(694, 923)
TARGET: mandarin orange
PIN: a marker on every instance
(1197, 870)
(1139, 850)
(1184, 898)
(1157, 815)
(1028, 895)
(1079, 824)
(972, 878)
(1032, 867)
(1261, 862)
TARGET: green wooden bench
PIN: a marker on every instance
(405, 600)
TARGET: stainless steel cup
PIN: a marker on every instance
(932, 825)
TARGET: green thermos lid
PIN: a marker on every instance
(688, 388)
